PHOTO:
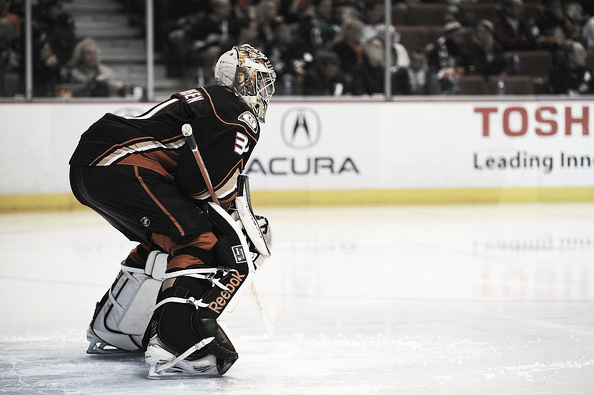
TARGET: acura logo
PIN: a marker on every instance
(301, 128)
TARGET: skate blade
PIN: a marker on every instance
(99, 347)
(204, 367)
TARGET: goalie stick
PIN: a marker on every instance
(187, 131)
(189, 135)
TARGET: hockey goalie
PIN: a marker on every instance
(171, 180)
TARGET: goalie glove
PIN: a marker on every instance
(263, 235)
(266, 233)
(255, 227)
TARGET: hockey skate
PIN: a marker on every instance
(99, 346)
(164, 364)
(203, 347)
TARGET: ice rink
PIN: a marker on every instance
(490, 299)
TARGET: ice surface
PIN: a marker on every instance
(374, 300)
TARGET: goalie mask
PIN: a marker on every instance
(249, 74)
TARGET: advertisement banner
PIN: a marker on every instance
(317, 146)
(425, 144)
(348, 145)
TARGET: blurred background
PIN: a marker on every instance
(456, 101)
(146, 49)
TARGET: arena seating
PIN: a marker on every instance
(422, 23)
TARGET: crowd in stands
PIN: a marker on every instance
(332, 47)
(336, 47)
(63, 63)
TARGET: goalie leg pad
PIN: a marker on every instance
(182, 342)
(123, 314)
(233, 252)
(186, 329)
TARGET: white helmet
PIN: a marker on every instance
(250, 75)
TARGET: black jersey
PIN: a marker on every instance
(225, 129)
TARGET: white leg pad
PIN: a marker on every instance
(124, 315)
(156, 265)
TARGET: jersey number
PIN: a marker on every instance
(241, 143)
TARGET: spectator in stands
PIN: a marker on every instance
(485, 55)
(245, 31)
(346, 9)
(52, 50)
(289, 56)
(212, 32)
(316, 25)
(63, 38)
(416, 79)
(374, 27)
(170, 17)
(325, 78)
(198, 40)
(9, 16)
(399, 55)
(291, 10)
(369, 77)
(240, 9)
(16, 44)
(571, 76)
(347, 45)
(575, 13)
(554, 27)
(88, 76)
(373, 17)
(10, 60)
(266, 13)
(447, 56)
(45, 14)
(46, 68)
(512, 29)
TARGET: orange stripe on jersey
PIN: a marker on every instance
(162, 162)
(205, 241)
(148, 191)
(225, 122)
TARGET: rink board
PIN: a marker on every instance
(479, 150)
